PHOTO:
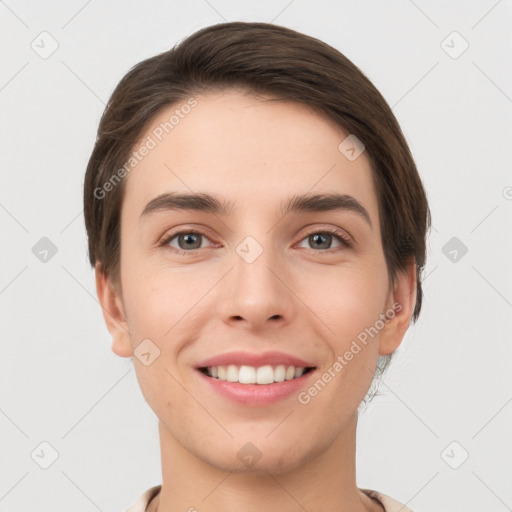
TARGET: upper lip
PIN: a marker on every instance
(254, 359)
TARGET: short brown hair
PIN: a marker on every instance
(276, 61)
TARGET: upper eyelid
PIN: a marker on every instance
(169, 235)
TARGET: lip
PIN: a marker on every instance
(257, 395)
(272, 358)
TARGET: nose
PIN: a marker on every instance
(257, 293)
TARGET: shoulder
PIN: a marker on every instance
(143, 500)
(389, 504)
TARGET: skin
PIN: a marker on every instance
(295, 297)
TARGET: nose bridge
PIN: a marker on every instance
(256, 291)
(253, 265)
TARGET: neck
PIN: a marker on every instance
(326, 482)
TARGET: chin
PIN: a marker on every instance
(258, 458)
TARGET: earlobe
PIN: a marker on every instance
(401, 304)
(113, 313)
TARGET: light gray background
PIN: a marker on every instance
(451, 380)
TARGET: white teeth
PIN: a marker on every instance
(251, 375)
(247, 375)
(265, 375)
(290, 373)
(280, 373)
(232, 373)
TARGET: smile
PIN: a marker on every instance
(245, 374)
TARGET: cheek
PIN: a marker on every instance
(156, 298)
(347, 299)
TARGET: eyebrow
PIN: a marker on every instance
(219, 206)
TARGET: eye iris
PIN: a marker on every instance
(318, 236)
(188, 237)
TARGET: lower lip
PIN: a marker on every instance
(256, 394)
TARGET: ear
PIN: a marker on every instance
(113, 313)
(400, 307)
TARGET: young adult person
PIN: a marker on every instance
(257, 227)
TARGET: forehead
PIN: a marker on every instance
(248, 149)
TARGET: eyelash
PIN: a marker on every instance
(345, 240)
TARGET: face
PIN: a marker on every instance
(253, 287)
